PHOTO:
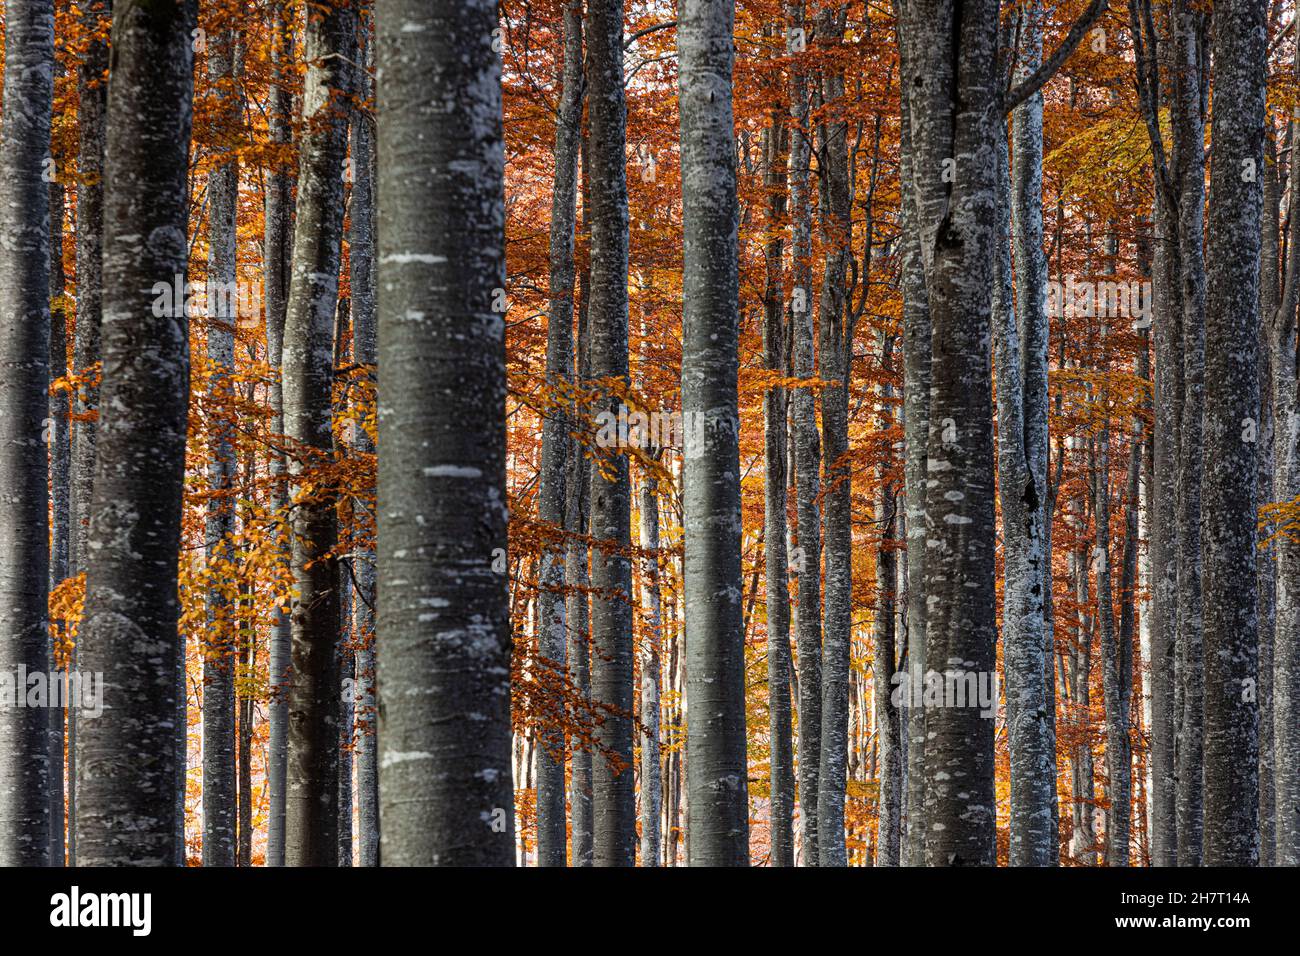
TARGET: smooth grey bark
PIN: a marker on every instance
(25, 764)
(805, 446)
(954, 106)
(651, 769)
(126, 758)
(60, 503)
(916, 418)
(444, 643)
(835, 335)
(311, 801)
(552, 837)
(1228, 511)
(775, 524)
(277, 256)
(219, 660)
(613, 798)
(716, 771)
(1021, 336)
(361, 262)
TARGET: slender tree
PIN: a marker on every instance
(277, 256)
(446, 793)
(219, 659)
(311, 812)
(25, 764)
(552, 499)
(805, 560)
(361, 260)
(613, 798)
(836, 345)
(775, 523)
(60, 507)
(1022, 337)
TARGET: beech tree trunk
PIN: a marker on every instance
(716, 771)
(25, 759)
(444, 628)
(277, 257)
(552, 499)
(835, 335)
(805, 563)
(613, 797)
(1228, 510)
(1021, 344)
(126, 759)
(361, 259)
(219, 658)
(775, 524)
(311, 803)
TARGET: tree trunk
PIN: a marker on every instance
(1189, 166)
(613, 798)
(652, 642)
(219, 658)
(277, 260)
(916, 190)
(60, 505)
(836, 349)
(1021, 337)
(126, 760)
(25, 759)
(953, 108)
(1231, 430)
(1266, 561)
(311, 804)
(444, 629)
(716, 771)
(781, 810)
(361, 260)
(806, 449)
(551, 497)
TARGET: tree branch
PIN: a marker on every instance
(1034, 82)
